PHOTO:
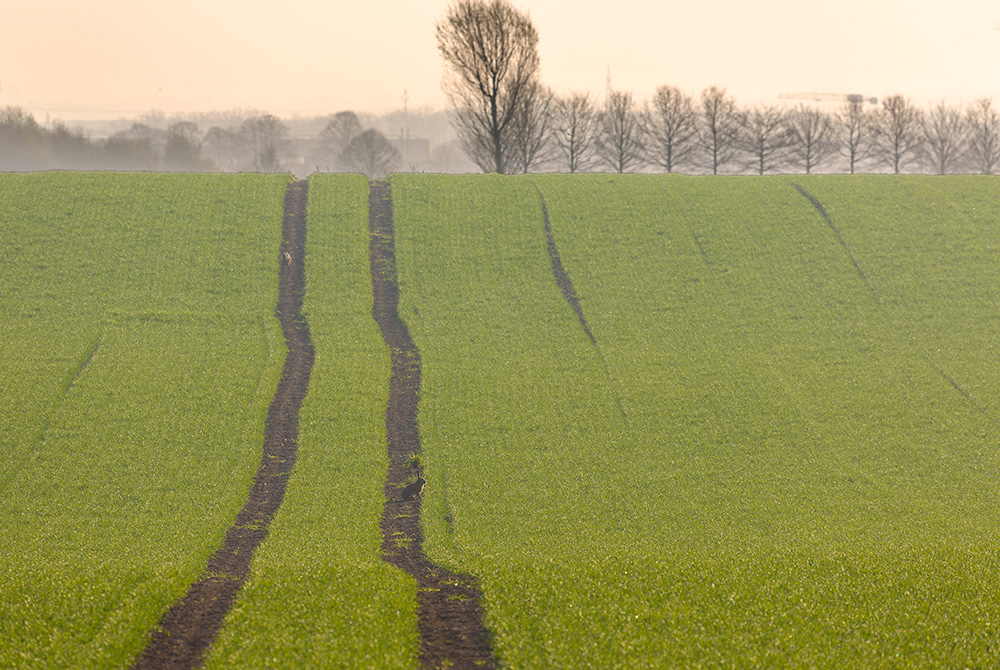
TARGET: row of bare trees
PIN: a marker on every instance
(346, 146)
(674, 131)
(508, 121)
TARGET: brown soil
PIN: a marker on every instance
(450, 618)
(189, 627)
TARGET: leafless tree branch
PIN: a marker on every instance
(764, 138)
(983, 127)
(574, 127)
(673, 127)
(810, 137)
(620, 137)
(490, 50)
(719, 127)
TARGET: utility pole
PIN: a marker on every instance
(403, 141)
(406, 117)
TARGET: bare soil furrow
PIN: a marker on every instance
(189, 627)
(566, 287)
(562, 278)
(452, 632)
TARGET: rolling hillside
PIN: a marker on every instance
(779, 448)
(664, 421)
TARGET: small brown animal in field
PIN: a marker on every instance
(414, 489)
(288, 258)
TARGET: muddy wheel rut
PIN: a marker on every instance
(450, 617)
(189, 627)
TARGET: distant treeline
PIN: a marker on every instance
(671, 132)
(25, 145)
(712, 133)
(256, 142)
(508, 121)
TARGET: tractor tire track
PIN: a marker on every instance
(948, 379)
(82, 364)
(840, 240)
(84, 361)
(450, 617)
(562, 278)
(189, 627)
(41, 434)
(566, 287)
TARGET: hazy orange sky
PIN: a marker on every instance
(109, 58)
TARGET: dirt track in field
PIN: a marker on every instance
(189, 627)
(450, 618)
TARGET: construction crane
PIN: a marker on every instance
(828, 97)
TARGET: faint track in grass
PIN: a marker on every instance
(871, 289)
(450, 617)
(41, 434)
(82, 363)
(840, 239)
(569, 293)
(189, 627)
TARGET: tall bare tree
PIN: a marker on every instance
(811, 137)
(719, 127)
(672, 127)
(225, 148)
(943, 129)
(764, 137)
(853, 125)
(336, 135)
(370, 153)
(490, 51)
(573, 130)
(266, 138)
(531, 131)
(620, 142)
(897, 132)
(983, 130)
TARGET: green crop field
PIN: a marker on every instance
(138, 354)
(319, 594)
(780, 450)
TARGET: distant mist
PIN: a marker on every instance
(229, 141)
